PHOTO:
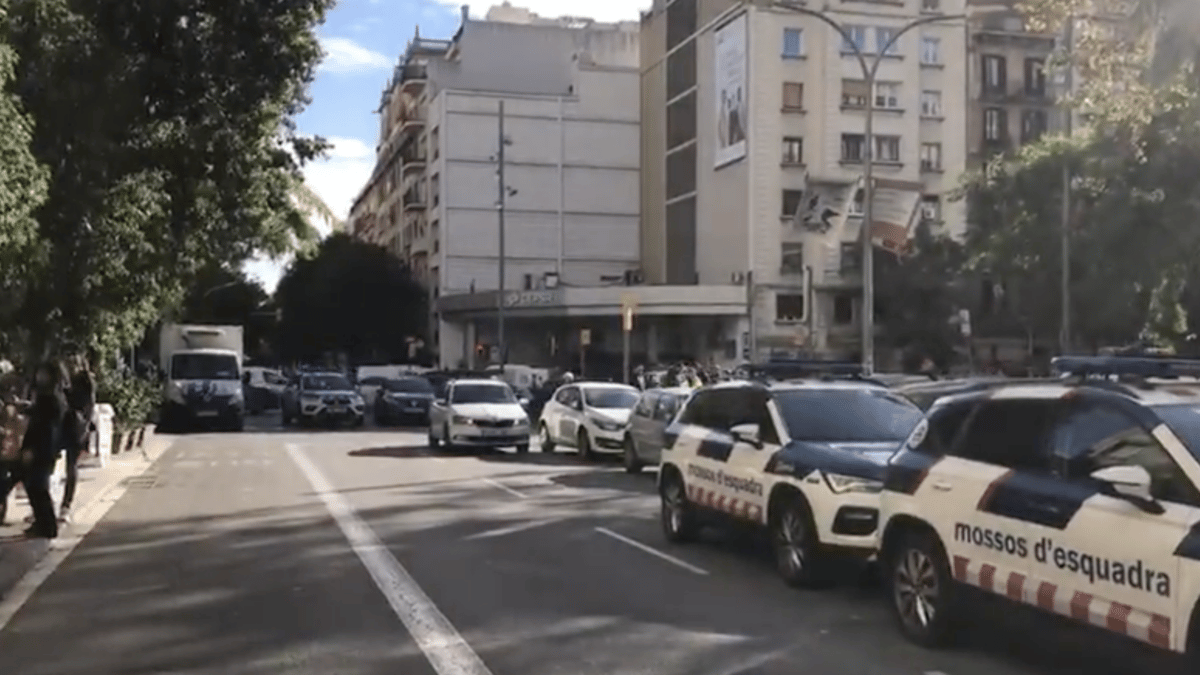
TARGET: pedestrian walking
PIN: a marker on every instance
(40, 447)
(77, 429)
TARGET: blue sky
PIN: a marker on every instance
(363, 40)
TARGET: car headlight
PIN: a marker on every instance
(459, 419)
(606, 425)
(840, 484)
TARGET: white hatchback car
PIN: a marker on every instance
(588, 416)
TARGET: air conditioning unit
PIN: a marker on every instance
(634, 278)
(737, 278)
(550, 280)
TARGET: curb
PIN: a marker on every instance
(21, 556)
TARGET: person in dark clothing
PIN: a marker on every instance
(81, 401)
(41, 445)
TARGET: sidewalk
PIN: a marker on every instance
(19, 555)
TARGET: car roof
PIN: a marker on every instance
(323, 373)
(603, 385)
(480, 380)
(801, 384)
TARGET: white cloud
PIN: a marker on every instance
(600, 10)
(343, 55)
(337, 180)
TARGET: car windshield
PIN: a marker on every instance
(1184, 420)
(482, 393)
(611, 397)
(863, 415)
(412, 385)
(204, 367)
(326, 383)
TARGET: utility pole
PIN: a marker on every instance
(503, 142)
(1064, 331)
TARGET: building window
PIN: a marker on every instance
(931, 156)
(931, 5)
(793, 43)
(887, 95)
(931, 51)
(793, 95)
(681, 69)
(857, 41)
(995, 74)
(851, 257)
(793, 150)
(1033, 125)
(681, 171)
(791, 258)
(681, 120)
(854, 93)
(843, 309)
(434, 145)
(1035, 77)
(884, 43)
(853, 147)
(995, 121)
(931, 209)
(789, 307)
(790, 203)
(931, 103)
(435, 189)
(887, 148)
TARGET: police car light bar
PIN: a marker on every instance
(1125, 365)
(784, 368)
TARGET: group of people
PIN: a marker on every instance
(45, 417)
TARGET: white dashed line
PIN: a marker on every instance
(443, 646)
(652, 551)
(513, 529)
(497, 484)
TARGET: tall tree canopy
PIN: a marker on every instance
(167, 128)
(229, 297)
(351, 297)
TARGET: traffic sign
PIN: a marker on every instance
(627, 319)
(585, 336)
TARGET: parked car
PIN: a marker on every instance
(588, 416)
(322, 398)
(644, 436)
(403, 400)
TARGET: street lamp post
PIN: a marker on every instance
(503, 193)
(870, 70)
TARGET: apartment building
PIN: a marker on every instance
(753, 143)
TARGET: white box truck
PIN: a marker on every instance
(202, 376)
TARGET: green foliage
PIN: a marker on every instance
(134, 399)
(350, 296)
(167, 125)
(1134, 245)
(915, 296)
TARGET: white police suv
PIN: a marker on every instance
(1079, 497)
(803, 459)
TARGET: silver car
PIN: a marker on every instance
(651, 416)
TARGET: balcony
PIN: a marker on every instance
(414, 160)
(1014, 95)
(414, 200)
(413, 78)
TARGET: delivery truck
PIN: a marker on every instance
(201, 368)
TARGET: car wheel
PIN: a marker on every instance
(446, 438)
(545, 442)
(923, 595)
(794, 541)
(632, 463)
(584, 445)
(678, 519)
(523, 449)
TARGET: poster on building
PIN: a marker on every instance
(733, 96)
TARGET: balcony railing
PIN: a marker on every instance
(413, 199)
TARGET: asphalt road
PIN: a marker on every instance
(321, 553)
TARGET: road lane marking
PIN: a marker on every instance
(652, 551)
(443, 646)
(497, 484)
(512, 529)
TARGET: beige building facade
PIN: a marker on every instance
(720, 199)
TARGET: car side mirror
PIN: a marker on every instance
(524, 401)
(1131, 483)
(747, 433)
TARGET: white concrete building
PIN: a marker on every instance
(720, 190)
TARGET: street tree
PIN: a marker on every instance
(167, 127)
(351, 297)
(229, 297)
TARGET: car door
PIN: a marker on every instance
(703, 445)
(994, 484)
(569, 413)
(552, 412)
(641, 422)
(664, 413)
(1137, 569)
(743, 489)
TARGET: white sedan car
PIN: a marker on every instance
(588, 416)
(479, 414)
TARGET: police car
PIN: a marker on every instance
(802, 459)
(1079, 497)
